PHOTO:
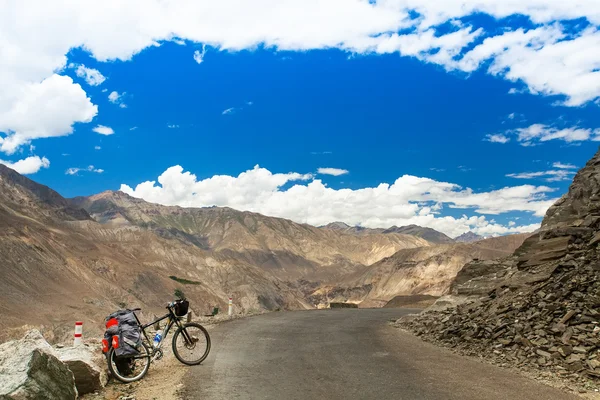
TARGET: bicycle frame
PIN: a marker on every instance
(172, 320)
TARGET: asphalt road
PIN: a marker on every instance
(344, 354)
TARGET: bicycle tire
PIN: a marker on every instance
(117, 375)
(176, 351)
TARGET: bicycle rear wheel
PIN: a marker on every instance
(129, 369)
(191, 344)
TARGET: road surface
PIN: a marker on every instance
(344, 354)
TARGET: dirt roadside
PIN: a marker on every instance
(164, 379)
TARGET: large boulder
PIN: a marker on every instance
(85, 362)
(29, 369)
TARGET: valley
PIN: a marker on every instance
(88, 256)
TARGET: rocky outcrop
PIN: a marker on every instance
(538, 309)
(29, 369)
(87, 364)
(582, 202)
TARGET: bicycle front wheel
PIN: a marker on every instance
(191, 344)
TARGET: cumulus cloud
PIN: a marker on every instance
(92, 76)
(537, 133)
(76, 171)
(29, 165)
(408, 200)
(41, 110)
(103, 130)
(36, 102)
(332, 171)
(116, 98)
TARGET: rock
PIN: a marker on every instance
(29, 369)
(543, 353)
(567, 316)
(595, 239)
(86, 363)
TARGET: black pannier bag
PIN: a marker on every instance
(181, 308)
(125, 326)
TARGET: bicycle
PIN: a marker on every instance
(187, 339)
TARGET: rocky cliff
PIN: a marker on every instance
(538, 309)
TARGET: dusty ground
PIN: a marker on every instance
(164, 379)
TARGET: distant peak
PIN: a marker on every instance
(469, 237)
(337, 225)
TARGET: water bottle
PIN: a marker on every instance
(157, 338)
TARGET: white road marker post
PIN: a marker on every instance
(78, 336)
(230, 311)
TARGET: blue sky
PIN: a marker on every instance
(445, 105)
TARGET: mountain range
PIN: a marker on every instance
(431, 235)
(88, 256)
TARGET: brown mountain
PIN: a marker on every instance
(58, 264)
(428, 234)
(431, 235)
(284, 248)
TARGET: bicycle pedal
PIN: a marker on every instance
(158, 355)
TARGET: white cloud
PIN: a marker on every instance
(97, 148)
(133, 128)
(29, 165)
(199, 55)
(564, 166)
(92, 76)
(498, 138)
(537, 133)
(308, 200)
(172, 126)
(549, 60)
(116, 98)
(556, 175)
(91, 168)
(332, 171)
(103, 130)
(228, 111)
(41, 110)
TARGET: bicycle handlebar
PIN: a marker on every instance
(172, 303)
